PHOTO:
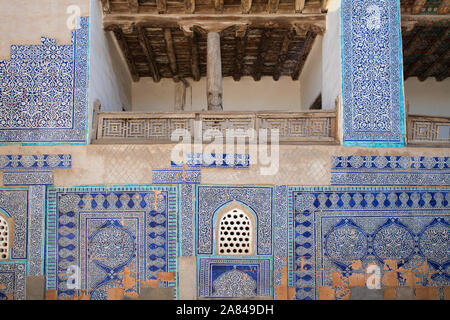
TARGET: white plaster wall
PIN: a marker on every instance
(311, 76)
(25, 21)
(331, 56)
(109, 78)
(428, 97)
(243, 95)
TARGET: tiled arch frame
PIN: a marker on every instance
(6, 234)
(225, 209)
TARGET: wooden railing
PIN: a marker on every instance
(318, 126)
(428, 131)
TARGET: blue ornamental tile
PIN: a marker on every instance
(408, 225)
(37, 90)
(141, 220)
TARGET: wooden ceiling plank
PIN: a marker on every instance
(126, 51)
(263, 46)
(303, 55)
(240, 43)
(412, 69)
(442, 59)
(283, 54)
(417, 6)
(171, 54)
(413, 44)
(146, 47)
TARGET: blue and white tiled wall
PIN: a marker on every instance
(43, 91)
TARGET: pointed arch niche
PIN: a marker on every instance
(234, 230)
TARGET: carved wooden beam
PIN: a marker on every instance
(246, 5)
(189, 6)
(253, 20)
(272, 6)
(193, 44)
(126, 51)
(413, 43)
(240, 43)
(424, 19)
(417, 6)
(444, 8)
(106, 6)
(442, 59)
(161, 5)
(171, 54)
(283, 54)
(218, 5)
(133, 5)
(303, 54)
(264, 44)
(442, 37)
(146, 47)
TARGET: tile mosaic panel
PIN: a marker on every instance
(236, 161)
(21, 178)
(390, 170)
(209, 199)
(14, 204)
(36, 233)
(170, 176)
(372, 82)
(186, 225)
(104, 230)
(234, 278)
(12, 280)
(40, 161)
(43, 91)
(280, 244)
(329, 228)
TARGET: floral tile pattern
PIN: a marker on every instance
(43, 91)
(372, 82)
(329, 228)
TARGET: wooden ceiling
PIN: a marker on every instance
(170, 53)
(426, 51)
(257, 44)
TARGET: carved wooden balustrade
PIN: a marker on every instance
(428, 131)
(314, 127)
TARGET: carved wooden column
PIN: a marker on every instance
(214, 72)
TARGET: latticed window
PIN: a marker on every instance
(4, 239)
(235, 233)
